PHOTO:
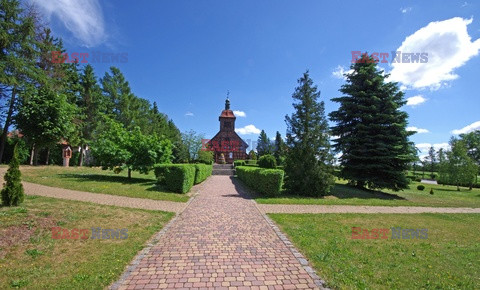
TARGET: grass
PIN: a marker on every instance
(448, 259)
(342, 194)
(29, 257)
(97, 180)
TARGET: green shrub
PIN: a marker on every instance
(431, 190)
(202, 171)
(252, 155)
(263, 181)
(12, 192)
(251, 162)
(239, 163)
(176, 177)
(205, 157)
(267, 161)
(420, 187)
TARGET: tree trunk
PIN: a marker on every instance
(48, 156)
(458, 187)
(129, 173)
(32, 153)
(80, 163)
(8, 120)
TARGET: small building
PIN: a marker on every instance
(227, 141)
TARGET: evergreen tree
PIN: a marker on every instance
(17, 60)
(371, 130)
(432, 160)
(308, 165)
(279, 152)
(12, 192)
(264, 145)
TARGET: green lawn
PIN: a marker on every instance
(97, 180)
(30, 258)
(342, 194)
(448, 259)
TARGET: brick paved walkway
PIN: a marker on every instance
(221, 240)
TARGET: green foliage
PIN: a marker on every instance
(12, 192)
(420, 187)
(264, 145)
(116, 147)
(280, 149)
(239, 163)
(431, 191)
(267, 161)
(22, 148)
(205, 157)
(252, 155)
(458, 168)
(371, 130)
(308, 166)
(193, 143)
(264, 181)
(176, 177)
(202, 171)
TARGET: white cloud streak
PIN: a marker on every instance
(189, 114)
(249, 129)
(84, 19)
(449, 47)
(467, 129)
(418, 130)
(339, 72)
(416, 100)
(239, 114)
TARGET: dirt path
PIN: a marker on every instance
(221, 240)
(303, 208)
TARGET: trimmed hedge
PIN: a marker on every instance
(202, 171)
(176, 177)
(264, 181)
(181, 177)
(267, 161)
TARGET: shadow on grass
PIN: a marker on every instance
(106, 178)
(150, 183)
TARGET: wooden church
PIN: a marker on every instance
(226, 144)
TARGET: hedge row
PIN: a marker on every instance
(264, 181)
(202, 171)
(181, 177)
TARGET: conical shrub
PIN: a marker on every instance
(12, 192)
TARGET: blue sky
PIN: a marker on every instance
(185, 55)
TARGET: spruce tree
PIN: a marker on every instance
(12, 192)
(279, 148)
(264, 146)
(308, 165)
(371, 130)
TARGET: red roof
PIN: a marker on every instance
(227, 114)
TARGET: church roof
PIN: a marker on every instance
(227, 114)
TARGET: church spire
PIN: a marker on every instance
(227, 101)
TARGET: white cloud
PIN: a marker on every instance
(239, 113)
(469, 128)
(340, 71)
(84, 19)
(448, 45)
(189, 114)
(424, 147)
(416, 100)
(406, 9)
(418, 130)
(249, 129)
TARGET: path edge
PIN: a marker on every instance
(132, 266)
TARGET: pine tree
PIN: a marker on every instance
(308, 166)
(12, 192)
(371, 130)
(279, 152)
(264, 145)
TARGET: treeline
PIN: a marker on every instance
(52, 102)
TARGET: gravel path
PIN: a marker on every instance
(106, 199)
(303, 208)
(220, 241)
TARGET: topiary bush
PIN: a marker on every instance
(202, 171)
(267, 161)
(12, 192)
(420, 187)
(264, 181)
(431, 190)
(176, 177)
